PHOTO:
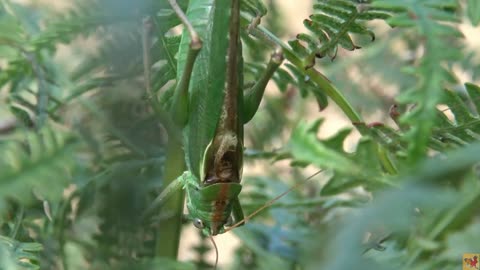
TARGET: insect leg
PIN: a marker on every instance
(182, 181)
(179, 109)
(160, 199)
(254, 95)
(237, 212)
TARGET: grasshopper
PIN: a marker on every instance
(212, 114)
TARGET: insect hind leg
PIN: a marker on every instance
(180, 99)
(237, 213)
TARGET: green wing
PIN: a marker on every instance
(211, 20)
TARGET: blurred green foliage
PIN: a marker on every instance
(83, 154)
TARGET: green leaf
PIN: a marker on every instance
(371, 171)
(18, 255)
(22, 116)
(474, 93)
(306, 86)
(43, 166)
(429, 21)
(473, 11)
(305, 146)
(420, 188)
(332, 24)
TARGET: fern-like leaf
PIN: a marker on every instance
(332, 25)
(456, 125)
(429, 20)
(18, 255)
(350, 169)
(41, 165)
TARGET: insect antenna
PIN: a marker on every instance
(272, 201)
(216, 252)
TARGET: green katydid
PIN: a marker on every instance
(214, 139)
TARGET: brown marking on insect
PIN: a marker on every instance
(219, 205)
(224, 169)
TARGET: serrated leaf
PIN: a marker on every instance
(305, 146)
(458, 107)
(22, 115)
(331, 25)
(336, 141)
(372, 170)
(474, 93)
(46, 158)
(18, 255)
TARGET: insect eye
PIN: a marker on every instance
(198, 223)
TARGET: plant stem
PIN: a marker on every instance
(385, 160)
(325, 85)
(18, 222)
(168, 236)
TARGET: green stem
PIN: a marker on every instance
(59, 227)
(18, 222)
(168, 236)
(385, 160)
(325, 85)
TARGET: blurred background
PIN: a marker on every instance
(94, 72)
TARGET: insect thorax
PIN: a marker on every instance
(212, 205)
